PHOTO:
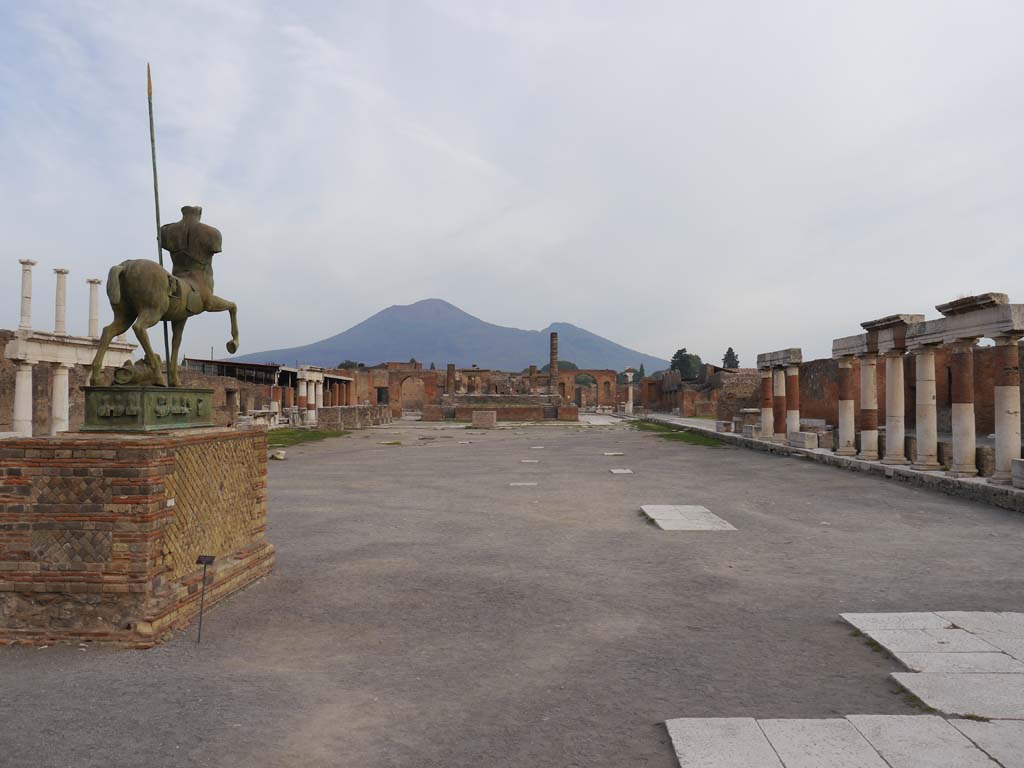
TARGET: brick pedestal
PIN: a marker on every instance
(99, 534)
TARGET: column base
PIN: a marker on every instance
(778, 438)
(928, 467)
(846, 451)
(962, 471)
(868, 456)
(1001, 478)
(898, 461)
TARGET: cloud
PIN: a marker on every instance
(663, 174)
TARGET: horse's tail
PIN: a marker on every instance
(114, 284)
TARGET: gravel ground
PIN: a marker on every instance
(424, 613)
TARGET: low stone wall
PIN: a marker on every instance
(976, 489)
(99, 533)
(505, 413)
(568, 413)
(353, 416)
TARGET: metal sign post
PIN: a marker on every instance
(203, 560)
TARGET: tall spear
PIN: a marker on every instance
(156, 199)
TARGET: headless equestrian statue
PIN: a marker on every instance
(142, 293)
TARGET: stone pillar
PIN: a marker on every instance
(553, 366)
(336, 394)
(317, 395)
(60, 405)
(895, 420)
(300, 393)
(533, 379)
(449, 379)
(23, 399)
(289, 397)
(792, 399)
(767, 420)
(778, 405)
(868, 407)
(1007, 402)
(94, 307)
(927, 457)
(847, 431)
(25, 323)
(60, 321)
(629, 392)
(964, 443)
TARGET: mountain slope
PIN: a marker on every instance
(435, 331)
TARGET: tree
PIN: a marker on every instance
(687, 363)
(730, 359)
(563, 365)
(348, 364)
(433, 367)
(585, 378)
(640, 373)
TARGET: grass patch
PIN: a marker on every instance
(284, 438)
(678, 434)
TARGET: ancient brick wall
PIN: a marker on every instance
(99, 533)
(505, 413)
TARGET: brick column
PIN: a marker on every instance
(275, 398)
(779, 405)
(449, 378)
(845, 422)
(533, 379)
(927, 456)
(767, 420)
(964, 443)
(289, 397)
(1007, 402)
(336, 393)
(60, 405)
(895, 421)
(25, 323)
(868, 408)
(792, 399)
(553, 366)
(23, 399)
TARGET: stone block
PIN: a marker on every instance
(1003, 739)
(721, 742)
(485, 419)
(960, 663)
(1018, 473)
(803, 440)
(723, 426)
(922, 620)
(995, 696)
(916, 741)
(752, 430)
(817, 743)
(685, 517)
(929, 640)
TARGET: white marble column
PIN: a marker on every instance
(767, 417)
(895, 418)
(846, 425)
(1007, 407)
(629, 392)
(792, 399)
(965, 446)
(94, 307)
(25, 324)
(778, 405)
(927, 428)
(868, 408)
(60, 405)
(60, 321)
(23, 399)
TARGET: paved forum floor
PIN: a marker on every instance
(425, 613)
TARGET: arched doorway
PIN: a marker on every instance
(412, 394)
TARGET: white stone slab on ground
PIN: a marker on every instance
(929, 640)
(919, 741)
(520, 485)
(1009, 645)
(834, 743)
(721, 742)
(981, 695)
(621, 471)
(682, 517)
(987, 622)
(529, 461)
(922, 620)
(614, 453)
(536, 447)
(960, 663)
(1003, 739)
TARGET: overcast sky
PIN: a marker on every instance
(754, 174)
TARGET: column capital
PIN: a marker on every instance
(871, 356)
(963, 345)
(894, 353)
(94, 281)
(61, 271)
(27, 262)
(1007, 339)
(925, 349)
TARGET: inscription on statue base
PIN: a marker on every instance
(146, 409)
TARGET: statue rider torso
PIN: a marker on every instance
(192, 245)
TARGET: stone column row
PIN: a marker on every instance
(780, 402)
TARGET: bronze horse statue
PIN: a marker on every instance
(142, 293)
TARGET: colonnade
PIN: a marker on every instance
(780, 393)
